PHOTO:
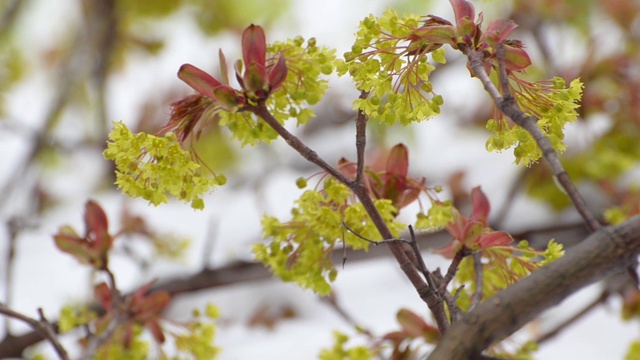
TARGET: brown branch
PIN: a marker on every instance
(42, 327)
(9, 16)
(427, 294)
(606, 251)
(507, 105)
(231, 274)
(453, 268)
(361, 139)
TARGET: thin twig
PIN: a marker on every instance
(508, 106)
(43, 327)
(477, 267)
(453, 267)
(11, 12)
(454, 309)
(115, 293)
(502, 213)
(420, 260)
(384, 241)
(333, 303)
(12, 228)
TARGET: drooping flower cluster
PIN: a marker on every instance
(300, 249)
(154, 167)
(552, 103)
(389, 59)
(387, 64)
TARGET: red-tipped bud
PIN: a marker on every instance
(254, 45)
(462, 9)
(398, 161)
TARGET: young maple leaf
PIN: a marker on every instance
(139, 308)
(94, 246)
(388, 178)
(257, 80)
(146, 309)
(472, 233)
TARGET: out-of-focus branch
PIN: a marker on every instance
(241, 272)
(42, 328)
(10, 15)
(606, 251)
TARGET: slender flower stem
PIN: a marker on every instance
(507, 105)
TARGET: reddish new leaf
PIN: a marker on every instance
(254, 52)
(516, 58)
(398, 161)
(495, 238)
(97, 228)
(103, 293)
(497, 31)
(462, 9)
(199, 80)
(156, 330)
(413, 325)
(481, 206)
(278, 73)
(68, 241)
(254, 45)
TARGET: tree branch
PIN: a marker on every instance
(361, 139)
(508, 106)
(42, 327)
(427, 294)
(606, 251)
